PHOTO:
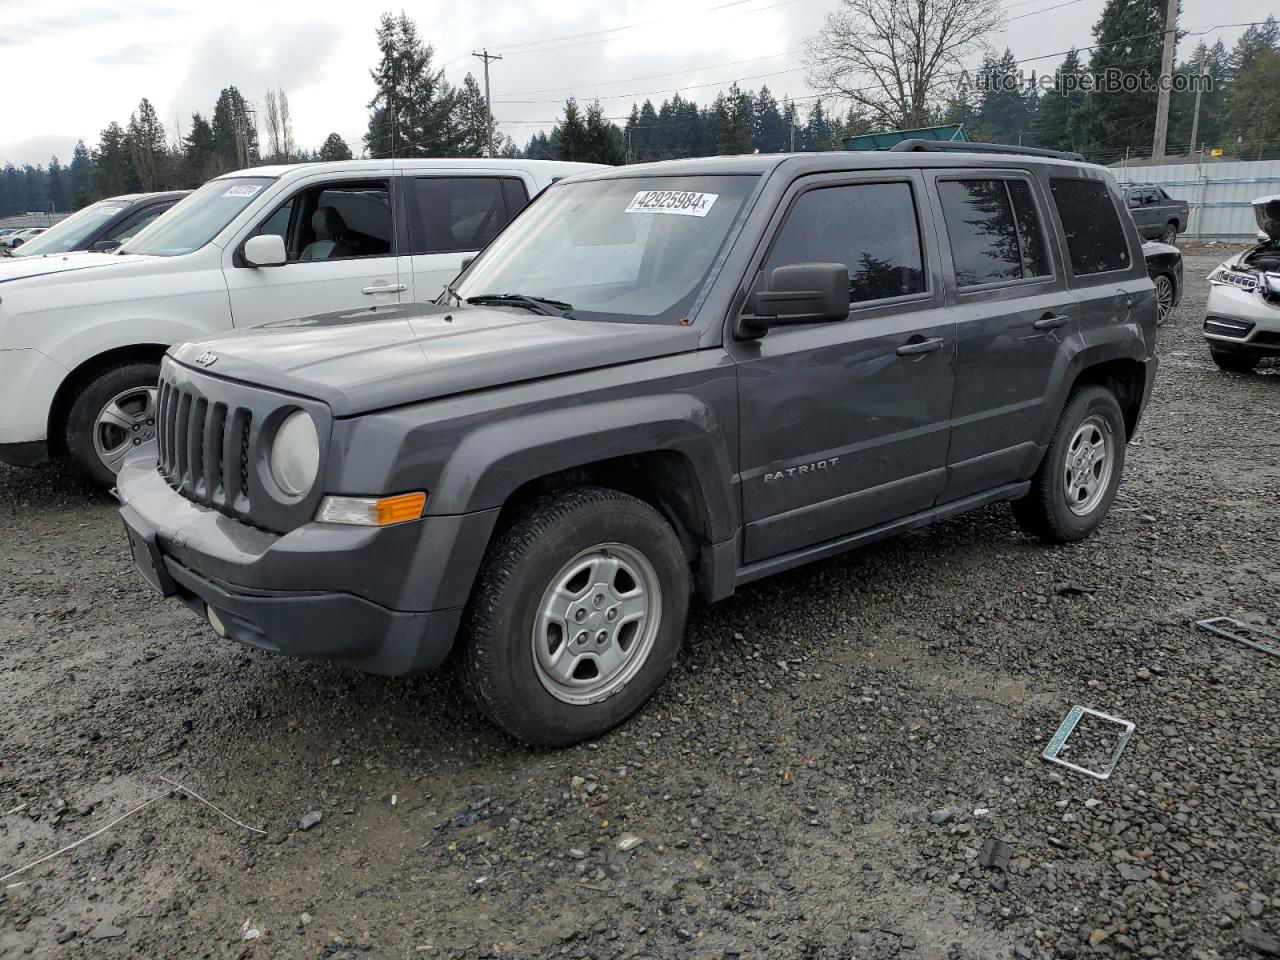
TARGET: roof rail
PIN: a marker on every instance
(970, 146)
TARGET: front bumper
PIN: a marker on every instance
(1241, 320)
(382, 600)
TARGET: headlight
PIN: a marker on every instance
(295, 454)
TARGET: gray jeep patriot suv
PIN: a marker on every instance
(658, 379)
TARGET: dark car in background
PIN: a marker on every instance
(101, 226)
(1164, 267)
(1157, 215)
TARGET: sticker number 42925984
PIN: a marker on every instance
(682, 202)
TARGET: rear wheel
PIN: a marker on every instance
(1077, 480)
(1170, 233)
(1233, 360)
(576, 617)
(114, 414)
(1164, 298)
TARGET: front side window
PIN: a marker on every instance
(334, 221)
(135, 224)
(1096, 241)
(630, 249)
(70, 233)
(869, 227)
(457, 214)
(994, 231)
(198, 218)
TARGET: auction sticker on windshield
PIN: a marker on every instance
(243, 190)
(686, 203)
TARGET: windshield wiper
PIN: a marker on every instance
(543, 305)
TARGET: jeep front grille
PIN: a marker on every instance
(204, 448)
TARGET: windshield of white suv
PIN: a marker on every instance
(630, 249)
(197, 218)
(68, 233)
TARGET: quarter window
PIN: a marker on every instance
(994, 231)
(463, 213)
(869, 227)
(1095, 240)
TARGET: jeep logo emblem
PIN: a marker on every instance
(207, 358)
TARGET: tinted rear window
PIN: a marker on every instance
(1095, 239)
(869, 227)
(994, 231)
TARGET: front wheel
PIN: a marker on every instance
(1077, 480)
(113, 414)
(576, 617)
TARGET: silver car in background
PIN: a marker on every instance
(1242, 315)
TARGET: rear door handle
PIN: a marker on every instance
(1050, 321)
(384, 288)
(917, 347)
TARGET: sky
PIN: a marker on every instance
(73, 66)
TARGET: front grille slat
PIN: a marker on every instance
(211, 457)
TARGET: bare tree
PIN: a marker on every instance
(287, 146)
(897, 60)
(273, 126)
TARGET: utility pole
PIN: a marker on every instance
(793, 128)
(1166, 81)
(1195, 115)
(486, 56)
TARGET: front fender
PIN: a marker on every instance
(490, 463)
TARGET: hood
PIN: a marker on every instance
(24, 268)
(1266, 211)
(373, 359)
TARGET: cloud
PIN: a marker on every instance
(60, 26)
(291, 56)
(133, 55)
(38, 150)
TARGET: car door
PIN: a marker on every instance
(1014, 316)
(341, 247)
(844, 426)
(451, 216)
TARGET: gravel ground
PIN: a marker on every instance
(819, 777)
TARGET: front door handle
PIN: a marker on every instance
(384, 288)
(916, 347)
(1050, 321)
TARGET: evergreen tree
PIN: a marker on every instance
(235, 135)
(79, 176)
(11, 189)
(334, 148)
(200, 152)
(1182, 105)
(145, 143)
(471, 120)
(35, 196)
(1257, 39)
(603, 141)
(412, 110)
(1004, 109)
(769, 132)
(1253, 107)
(1129, 36)
(734, 111)
(1057, 124)
(113, 172)
(56, 185)
(819, 131)
(571, 133)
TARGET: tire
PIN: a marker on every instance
(1165, 295)
(1233, 360)
(1170, 234)
(584, 529)
(1060, 512)
(132, 388)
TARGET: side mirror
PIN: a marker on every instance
(106, 246)
(265, 250)
(797, 294)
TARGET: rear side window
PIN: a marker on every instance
(869, 227)
(1095, 240)
(994, 231)
(463, 213)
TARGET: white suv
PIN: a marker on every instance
(81, 336)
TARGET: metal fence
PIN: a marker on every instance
(31, 220)
(1220, 193)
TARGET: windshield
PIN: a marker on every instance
(632, 249)
(198, 218)
(71, 232)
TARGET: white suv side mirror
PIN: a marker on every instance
(265, 250)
